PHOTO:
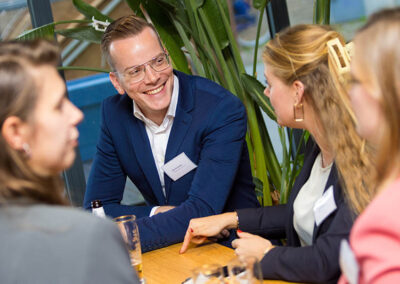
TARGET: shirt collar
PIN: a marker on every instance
(172, 106)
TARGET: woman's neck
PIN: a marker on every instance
(327, 154)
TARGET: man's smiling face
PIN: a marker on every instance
(152, 94)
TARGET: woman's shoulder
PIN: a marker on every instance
(50, 217)
(382, 213)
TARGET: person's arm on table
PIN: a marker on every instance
(268, 221)
(200, 229)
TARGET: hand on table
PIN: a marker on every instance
(251, 245)
(163, 209)
(215, 226)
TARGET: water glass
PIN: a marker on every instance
(245, 270)
(208, 274)
(130, 233)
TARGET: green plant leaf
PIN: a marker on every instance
(322, 12)
(83, 68)
(89, 11)
(46, 32)
(258, 183)
(272, 164)
(199, 3)
(82, 33)
(256, 92)
(260, 4)
(168, 34)
(197, 64)
(134, 5)
(214, 18)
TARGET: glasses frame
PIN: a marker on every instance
(148, 63)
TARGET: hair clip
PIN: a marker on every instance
(340, 55)
(350, 49)
(100, 25)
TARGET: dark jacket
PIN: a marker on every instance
(318, 263)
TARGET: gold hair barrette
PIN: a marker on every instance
(340, 54)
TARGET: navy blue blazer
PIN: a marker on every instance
(209, 127)
(318, 263)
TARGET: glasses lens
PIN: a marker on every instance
(135, 74)
(160, 63)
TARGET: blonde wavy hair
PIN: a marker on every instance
(18, 97)
(301, 53)
(377, 47)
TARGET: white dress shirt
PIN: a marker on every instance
(159, 134)
(312, 190)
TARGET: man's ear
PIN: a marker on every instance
(299, 89)
(14, 131)
(115, 81)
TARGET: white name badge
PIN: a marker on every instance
(178, 166)
(348, 263)
(324, 206)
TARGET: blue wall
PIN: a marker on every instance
(346, 10)
(87, 93)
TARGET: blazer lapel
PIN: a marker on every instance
(141, 146)
(311, 153)
(181, 124)
(333, 176)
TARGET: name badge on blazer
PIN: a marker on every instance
(178, 166)
(324, 206)
(348, 263)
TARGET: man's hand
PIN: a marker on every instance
(163, 209)
(251, 245)
(216, 226)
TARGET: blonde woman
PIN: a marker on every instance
(41, 239)
(304, 85)
(375, 96)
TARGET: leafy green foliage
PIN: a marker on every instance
(260, 4)
(322, 12)
(89, 11)
(256, 90)
(46, 32)
(82, 33)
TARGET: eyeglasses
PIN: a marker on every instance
(137, 73)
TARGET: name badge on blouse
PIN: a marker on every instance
(178, 166)
(348, 263)
(324, 206)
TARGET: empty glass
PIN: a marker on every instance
(208, 274)
(130, 233)
(245, 270)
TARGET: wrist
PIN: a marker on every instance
(232, 220)
(269, 247)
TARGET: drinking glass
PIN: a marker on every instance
(245, 270)
(130, 233)
(208, 274)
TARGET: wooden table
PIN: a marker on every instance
(166, 265)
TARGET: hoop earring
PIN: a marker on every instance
(26, 150)
(298, 112)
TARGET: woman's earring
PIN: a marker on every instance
(26, 150)
(298, 112)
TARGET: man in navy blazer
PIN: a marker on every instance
(179, 138)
